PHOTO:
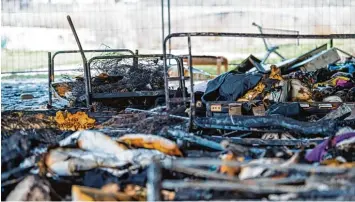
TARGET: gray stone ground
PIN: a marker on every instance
(11, 92)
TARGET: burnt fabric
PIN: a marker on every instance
(230, 86)
(318, 152)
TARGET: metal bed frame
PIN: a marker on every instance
(51, 64)
(97, 96)
(87, 74)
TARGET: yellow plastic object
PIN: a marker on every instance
(78, 121)
(152, 142)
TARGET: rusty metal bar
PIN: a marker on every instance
(50, 101)
(83, 57)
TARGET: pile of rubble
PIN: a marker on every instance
(111, 161)
(283, 132)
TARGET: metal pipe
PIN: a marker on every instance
(216, 162)
(156, 113)
(180, 73)
(83, 57)
(217, 176)
(105, 57)
(192, 94)
(331, 43)
(264, 40)
(203, 173)
(166, 84)
(252, 35)
(183, 80)
(169, 27)
(50, 101)
(231, 186)
(89, 87)
(135, 60)
(154, 182)
(162, 20)
(94, 51)
(262, 142)
(190, 137)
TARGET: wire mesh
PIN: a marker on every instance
(32, 28)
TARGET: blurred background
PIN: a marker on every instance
(32, 28)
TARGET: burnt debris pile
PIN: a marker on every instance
(258, 132)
